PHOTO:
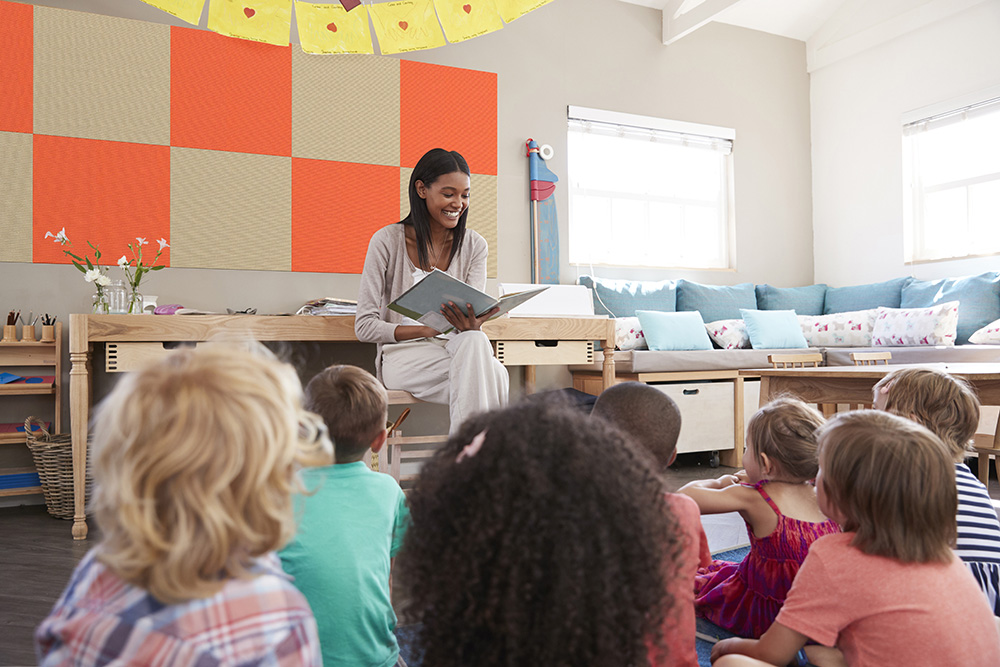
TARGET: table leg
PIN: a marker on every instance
(608, 368)
(529, 379)
(79, 406)
(765, 391)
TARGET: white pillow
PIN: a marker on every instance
(934, 325)
(851, 329)
(729, 334)
(988, 335)
(628, 334)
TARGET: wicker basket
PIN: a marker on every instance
(53, 456)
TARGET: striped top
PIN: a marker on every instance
(978, 526)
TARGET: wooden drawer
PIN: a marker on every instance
(544, 352)
(128, 357)
(707, 410)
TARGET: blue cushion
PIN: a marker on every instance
(978, 297)
(864, 297)
(773, 329)
(674, 331)
(621, 298)
(715, 302)
(803, 300)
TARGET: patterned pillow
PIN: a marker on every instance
(628, 334)
(934, 325)
(853, 329)
(988, 335)
(729, 334)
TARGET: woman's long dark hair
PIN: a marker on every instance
(435, 163)
(551, 546)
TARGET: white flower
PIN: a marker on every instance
(141, 241)
(91, 275)
(103, 280)
(60, 237)
(123, 261)
(163, 244)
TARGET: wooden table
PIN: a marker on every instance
(84, 330)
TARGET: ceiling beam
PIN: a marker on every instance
(682, 17)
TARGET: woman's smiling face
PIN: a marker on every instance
(446, 198)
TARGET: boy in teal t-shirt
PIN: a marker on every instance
(350, 527)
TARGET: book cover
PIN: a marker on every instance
(422, 302)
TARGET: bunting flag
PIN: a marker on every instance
(268, 21)
(407, 25)
(333, 29)
(511, 10)
(465, 19)
(185, 10)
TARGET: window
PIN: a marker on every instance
(951, 179)
(648, 192)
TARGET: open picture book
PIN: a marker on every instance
(422, 302)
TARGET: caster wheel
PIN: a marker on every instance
(714, 461)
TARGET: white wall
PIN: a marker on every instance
(857, 104)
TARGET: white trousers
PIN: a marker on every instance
(460, 372)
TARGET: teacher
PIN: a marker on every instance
(457, 369)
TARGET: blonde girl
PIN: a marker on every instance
(777, 500)
(949, 408)
(195, 461)
(889, 590)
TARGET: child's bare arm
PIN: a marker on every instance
(715, 496)
(777, 646)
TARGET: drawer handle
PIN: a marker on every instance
(546, 343)
(691, 392)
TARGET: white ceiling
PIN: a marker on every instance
(797, 19)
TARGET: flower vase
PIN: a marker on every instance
(135, 302)
(100, 303)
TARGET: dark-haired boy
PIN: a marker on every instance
(653, 421)
(350, 525)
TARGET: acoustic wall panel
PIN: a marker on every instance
(15, 196)
(16, 67)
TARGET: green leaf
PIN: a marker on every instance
(82, 270)
(79, 259)
(89, 265)
(157, 268)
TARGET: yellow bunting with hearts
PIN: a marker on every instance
(185, 10)
(407, 25)
(511, 10)
(465, 19)
(332, 29)
(268, 21)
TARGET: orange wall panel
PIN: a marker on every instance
(16, 67)
(107, 192)
(229, 94)
(451, 108)
(336, 207)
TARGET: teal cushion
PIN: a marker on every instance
(621, 298)
(978, 297)
(773, 329)
(806, 300)
(864, 297)
(674, 331)
(715, 302)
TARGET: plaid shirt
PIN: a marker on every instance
(102, 620)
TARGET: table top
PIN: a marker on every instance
(984, 371)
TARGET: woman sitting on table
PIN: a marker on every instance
(457, 369)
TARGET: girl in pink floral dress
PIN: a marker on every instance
(776, 497)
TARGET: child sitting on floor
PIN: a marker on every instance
(194, 466)
(889, 590)
(949, 408)
(351, 524)
(539, 539)
(777, 500)
(652, 420)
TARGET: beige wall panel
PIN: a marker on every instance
(345, 108)
(483, 211)
(98, 77)
(230, 211)
(15, 197)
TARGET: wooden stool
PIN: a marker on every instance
(802, 360)
(399, 447)
(869, 359)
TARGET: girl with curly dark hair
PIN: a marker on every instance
(539, 538)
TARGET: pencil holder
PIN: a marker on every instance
(9, 333)
(27, 333)
(48, 333)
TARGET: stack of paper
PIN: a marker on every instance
(329, 306)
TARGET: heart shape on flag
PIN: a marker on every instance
(467, 8)
(404, 25)
(249, 11)
(332, 27)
